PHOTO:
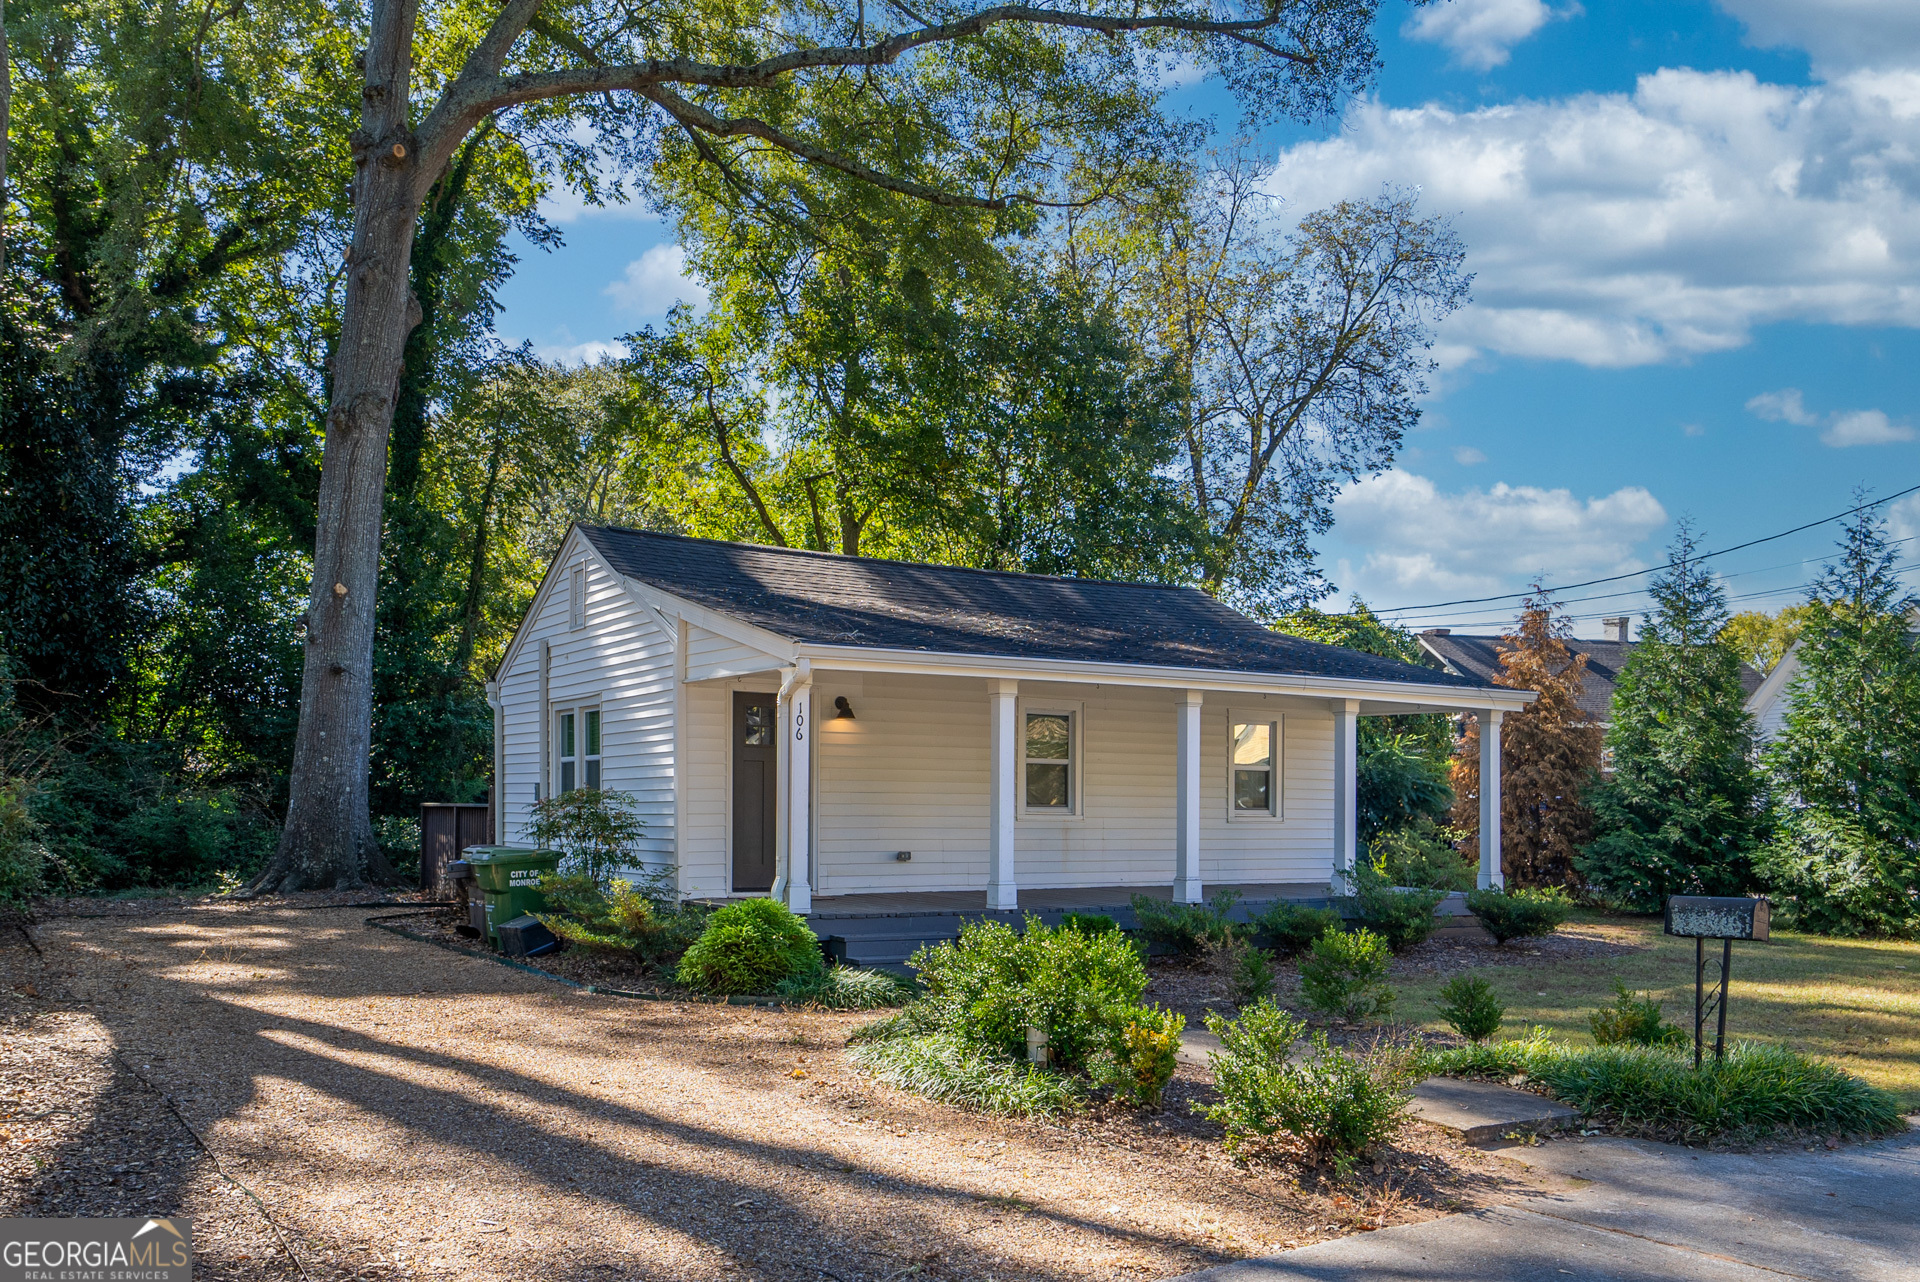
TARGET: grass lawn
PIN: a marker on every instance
(1854, 1002)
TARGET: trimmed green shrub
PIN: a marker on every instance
(1402, 917)
(749, 947)
(646, 924)
(1633, 1019)
(1089, 923)
(846, 988)
(1187, 929)
(1346, 974)
(1468, 1005)
(1146, 1052)
(944, 1067)
(993, 983)
(1252, 974)
(1755, 1090)
(1421, 855)
(1519, 914)
(1337, 1103)
(1294, 927)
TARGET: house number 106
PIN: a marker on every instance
(799, 721)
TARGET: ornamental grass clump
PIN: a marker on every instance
(1656, 1090)
(846, 988)
(941, 1066)
(1339, 1104)
(1346, 975)
(750, 947)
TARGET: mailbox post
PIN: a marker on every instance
(1725, 918)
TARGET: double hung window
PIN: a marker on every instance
(577, 735)
(1253, 786)
(1048, 749)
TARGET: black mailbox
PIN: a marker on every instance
(1717, 917)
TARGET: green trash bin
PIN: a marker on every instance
(508, 878)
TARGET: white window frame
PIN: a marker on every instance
(586, 765)
(577, 596)
(1276, 811)
(1075, 713)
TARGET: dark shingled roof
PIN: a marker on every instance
(1479, 657)
(824, 599)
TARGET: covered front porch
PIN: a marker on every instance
(902, 794)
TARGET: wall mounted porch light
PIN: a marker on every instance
(843, 711)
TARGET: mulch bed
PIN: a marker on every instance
(402, 1112)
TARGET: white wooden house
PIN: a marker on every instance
(842, 732)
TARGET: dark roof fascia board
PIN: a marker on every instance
(866, 659)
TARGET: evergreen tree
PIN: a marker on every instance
(1678, 815)
(1845, 770)
(1549, 754)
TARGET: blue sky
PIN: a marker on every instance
(1695, 229)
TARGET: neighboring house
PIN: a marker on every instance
(1768, 703)
(1479, 657)
(852, 735)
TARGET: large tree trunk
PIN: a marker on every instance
(328, 838)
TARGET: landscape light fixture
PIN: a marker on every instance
(844, 710)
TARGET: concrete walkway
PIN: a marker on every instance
(1640, 1212)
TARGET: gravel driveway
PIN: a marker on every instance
(388, 1109)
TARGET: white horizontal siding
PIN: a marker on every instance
(620, 661)
(710, 655)
(910, 773)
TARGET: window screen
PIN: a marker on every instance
(1049, 761)
(1253, 767)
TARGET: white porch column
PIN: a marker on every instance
(1492, 875)
(1003, 792)
(1346, 793)
(792, 885)
(1186, 877)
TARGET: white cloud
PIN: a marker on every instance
(1864, 427)
(1692, 429)
(1839, 34)
(591, 352)
(1480, 33)
(1628, 229)
(1843, 427)
(1467, 456)
(655, 281)
(1784, 406)
(1425, 543)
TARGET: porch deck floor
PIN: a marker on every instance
(1090, 899)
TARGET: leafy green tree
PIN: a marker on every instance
(1762, 640)
(1300, 349)
(1844, 771)
(967, 123)
(1404, 766)
(1678, 816)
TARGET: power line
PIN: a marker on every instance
(1706, 556)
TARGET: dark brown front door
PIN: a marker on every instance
(755, 792)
